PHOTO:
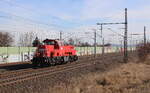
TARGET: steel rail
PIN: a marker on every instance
(25, 77)
(19, 72)
(43, 72)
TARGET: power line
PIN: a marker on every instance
(125, 34)
(25, 8)
(15, 4)
(116, 32)
(26, 19)
(34, 11)
(29, 24)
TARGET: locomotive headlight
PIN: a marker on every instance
(61, 48)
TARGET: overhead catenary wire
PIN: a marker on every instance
(13, 16)
(26, 19)
(115, 32)
(25, 8)
(14, 4)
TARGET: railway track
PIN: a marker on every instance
(13, 63)
(26, 62)
(20, 76)
(42, 73)
(29, 70)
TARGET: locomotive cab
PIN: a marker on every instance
(52, 43)
(53, 52)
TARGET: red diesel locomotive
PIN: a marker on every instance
(54, 52)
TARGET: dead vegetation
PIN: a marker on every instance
(128, 78)
(5, 39)
(143, 51)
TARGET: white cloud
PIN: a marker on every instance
(140, 13)
(91, 10)
(98, 8)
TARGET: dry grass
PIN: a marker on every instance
(129, 78)
(143, 51)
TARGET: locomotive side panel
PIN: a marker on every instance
(53, 52)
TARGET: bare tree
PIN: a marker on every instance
(26, 39)
(76, 42)
(5, 39)
(84, 44)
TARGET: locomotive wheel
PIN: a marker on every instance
(66, 59)
(34, 64)
(42, 62)
(75, 58)
(53, 62)
(71, 59)
(56, 60)
(59, 60)
(49, 61)
(46, 61)
(62, 60)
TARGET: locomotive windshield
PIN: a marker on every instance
(49, 43)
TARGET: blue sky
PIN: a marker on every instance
(70, 13)
(75, 14)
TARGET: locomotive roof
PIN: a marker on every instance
(55, 40)
(51, 40)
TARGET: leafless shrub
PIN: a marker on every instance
(143, 51)
(5, 39)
